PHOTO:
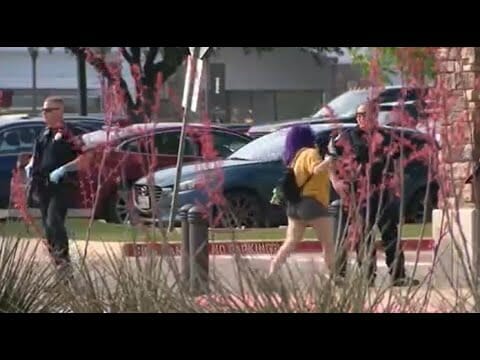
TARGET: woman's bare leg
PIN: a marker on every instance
(295, 232)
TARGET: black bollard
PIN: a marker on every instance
(185, 260)
(198, 232)
(339, 223)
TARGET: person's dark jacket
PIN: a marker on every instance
(50, 151)
(375, 151)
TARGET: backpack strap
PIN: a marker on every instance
(306, 181)
(291, 167)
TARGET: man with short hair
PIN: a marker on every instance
(51, 170)
(367, 172)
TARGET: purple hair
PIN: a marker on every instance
(299, 136)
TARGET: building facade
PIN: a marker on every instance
(274, 85)
(271, 86)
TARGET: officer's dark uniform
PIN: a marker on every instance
(49, 154)
(381, 200)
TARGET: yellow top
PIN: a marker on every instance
(318, 187)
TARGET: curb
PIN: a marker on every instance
(254, 247)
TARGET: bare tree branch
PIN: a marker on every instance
(136, 52)
(128, 96)
(172, 59)
(96, 61)
(101, 67)
(151, 55)
(150, 75)
(126, 55)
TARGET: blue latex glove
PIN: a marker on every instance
(57, 174)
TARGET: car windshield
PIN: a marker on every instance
(265, 148)
(345, 104)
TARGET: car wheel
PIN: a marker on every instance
(243, 209)
(118, 207)
(420, 206)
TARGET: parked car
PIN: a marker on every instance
(251, 173)
(342, 108)
(17, 135)
(241, 128)
(136, 150)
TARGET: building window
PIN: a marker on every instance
(266, 106)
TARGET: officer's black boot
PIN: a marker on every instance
(396, 265)
(65, 273)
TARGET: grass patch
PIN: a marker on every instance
(101, 231)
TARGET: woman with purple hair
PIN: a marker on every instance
(312, 178)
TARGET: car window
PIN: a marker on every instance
(226, 144)
(390, 95)
(79, 130)
(344, 104)
(131, 146)
(18, 139)
(396, 94)
(141, 145)
(37, 129)
(397, 116)
(9, 141)
(85, 125)
(165, 143)
(90, 126)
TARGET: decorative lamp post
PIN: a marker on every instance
(33, 51)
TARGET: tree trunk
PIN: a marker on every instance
(143, 106)
(82, 85)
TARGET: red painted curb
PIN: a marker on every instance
(253, 247)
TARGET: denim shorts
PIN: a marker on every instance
(307, 209)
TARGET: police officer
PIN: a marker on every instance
(51, 172)
(367, 171)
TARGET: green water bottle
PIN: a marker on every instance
(276, 197)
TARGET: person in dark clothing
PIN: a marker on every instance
(365, 174)
(51, 172)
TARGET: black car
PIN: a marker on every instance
(342, 109)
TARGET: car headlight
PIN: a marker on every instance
(186, 185)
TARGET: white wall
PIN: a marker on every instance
(56, 70)
(284, 68)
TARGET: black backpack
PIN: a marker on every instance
(292, 193)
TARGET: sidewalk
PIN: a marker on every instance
(301, 266)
